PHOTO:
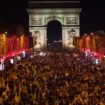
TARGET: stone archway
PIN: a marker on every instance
(54, 35)
(39, 18)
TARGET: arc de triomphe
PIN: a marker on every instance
(40, 17)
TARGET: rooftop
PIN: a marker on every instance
(53, 4)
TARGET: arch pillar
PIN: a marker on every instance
(67, 37)
(39, 37)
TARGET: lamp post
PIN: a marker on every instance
(91, 41)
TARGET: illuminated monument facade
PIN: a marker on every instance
(43, 12)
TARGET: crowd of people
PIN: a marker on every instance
(53, 78)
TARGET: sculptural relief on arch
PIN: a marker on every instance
(39, 18)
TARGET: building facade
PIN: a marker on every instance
(41, 13)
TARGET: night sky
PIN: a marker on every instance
(92, 15)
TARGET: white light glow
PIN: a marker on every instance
(97, 61)
(11, 60)
(2, 61)
(42, 54)
(23, 53)
(31, 56)
(18, 58)
(1, 67)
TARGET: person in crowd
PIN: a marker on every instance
(54, 78)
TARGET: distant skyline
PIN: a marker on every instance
(92, 16)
